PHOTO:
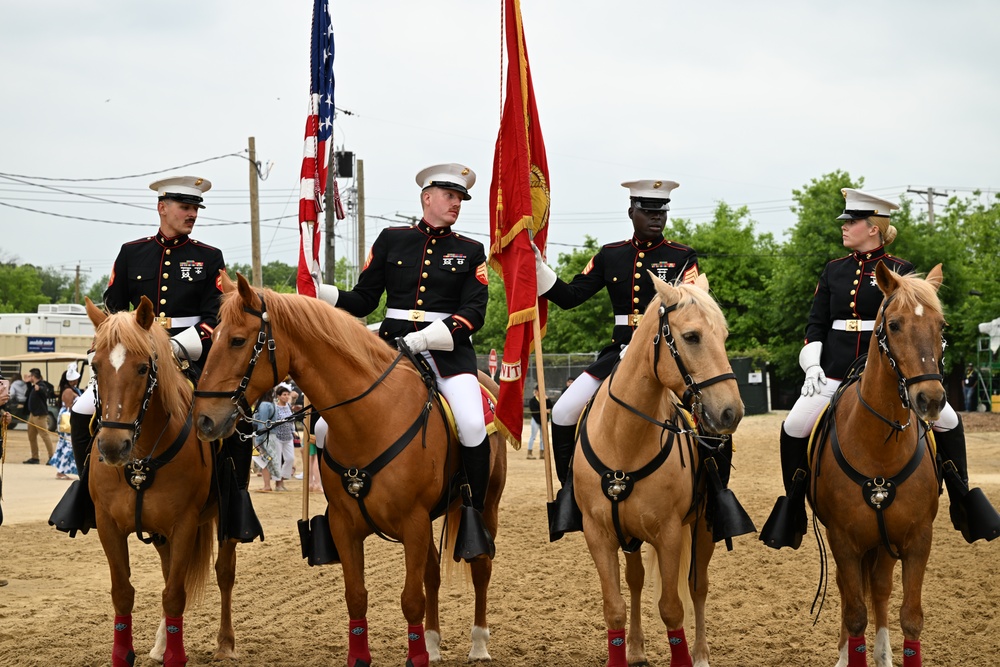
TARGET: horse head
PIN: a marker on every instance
(908, 337)
(127, 350)
(689, 353)
(230, 380)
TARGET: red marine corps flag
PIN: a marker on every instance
(520, 196)
(319, 133)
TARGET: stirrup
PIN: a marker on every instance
(786, 525)
(564, 515)
(473, 539)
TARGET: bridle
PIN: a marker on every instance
(265, 338)
(902, 382)
(136, 425)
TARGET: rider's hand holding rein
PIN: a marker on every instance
(809, 358)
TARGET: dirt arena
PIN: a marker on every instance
(545, 606)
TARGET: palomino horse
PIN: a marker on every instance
(875, 485)
(150, 473)
(642, 483)
(380, 414)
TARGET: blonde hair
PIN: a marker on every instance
(886, 229)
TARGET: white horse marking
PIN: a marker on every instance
(882, 651)
(432, 640)
(480, 638)
(919, 310)
(117, 357)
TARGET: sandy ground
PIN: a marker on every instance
(545, 606)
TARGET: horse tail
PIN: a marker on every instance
(450, 570)
(868, 563)
(201, 561)
(651, 563)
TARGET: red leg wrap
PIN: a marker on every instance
(680, 656)
(616, 648)
(122, 654)
(416, 653)
(357, 644)
(174, 656)
(857, 653)
(911, 654)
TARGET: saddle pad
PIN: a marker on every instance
(489, 408)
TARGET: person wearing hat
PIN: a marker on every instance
(63, 460)
(970, 387)
(180, 276)
(623, 269)
(838, 331)
(436, 289)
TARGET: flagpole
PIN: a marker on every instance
(543, 401)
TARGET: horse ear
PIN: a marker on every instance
(668, 293)
(935, 277)
(701, 282)
(886, 280)
(96, 315)
(225, 282)
(246, 292)
(144, 313)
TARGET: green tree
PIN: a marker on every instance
(20, 289)
(96, 291)
(275, 275)
(739, 264)
(494, 331)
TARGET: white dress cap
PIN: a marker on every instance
(187, 189)
(859, 205)
(651, 194)
(449, 176)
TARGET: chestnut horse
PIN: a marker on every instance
(636, 470)
(375, 404)
(149, 473)
(875, 485)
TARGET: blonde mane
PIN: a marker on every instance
(915, 291)
(698, 298)
(172, 387)
(328, 328)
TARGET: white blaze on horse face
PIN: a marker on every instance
(217, 333)
(919, 310)
(117, 357)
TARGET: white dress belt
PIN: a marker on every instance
(178, 322)
(628, 320)
(853, 325)
(414, 315)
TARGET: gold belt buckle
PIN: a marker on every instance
(416, 316)
(636, 318)
(853, 325)
(163, 321)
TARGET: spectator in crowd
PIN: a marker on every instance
(535, 408)
(268, 456)
(64, 461)
(39, 392)
(971, 388)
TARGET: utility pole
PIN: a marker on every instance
(330, 257)
(76, 285)
(361, 215)
(254, 216)
(928, 195)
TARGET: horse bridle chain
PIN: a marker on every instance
(882, 336)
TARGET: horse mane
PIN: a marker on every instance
(915, 291)
(332, 328)
(698, 298)
(121, 328)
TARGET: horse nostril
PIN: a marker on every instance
(205, 424)
(728, 417)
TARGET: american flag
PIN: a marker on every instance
(319, 132)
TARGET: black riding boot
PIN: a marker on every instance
(564, 515)
(727, 516)
(75, 511)
(237, 519)
(971, 513)
(786, 525)
(474, 539)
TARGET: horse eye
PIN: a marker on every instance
(894, 326)
(692, 337)
(143, 369)
(237, 342)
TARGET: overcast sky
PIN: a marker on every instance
(738, 101)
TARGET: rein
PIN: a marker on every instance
(903, 383)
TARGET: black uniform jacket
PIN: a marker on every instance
(622, 268)
(847, 291)
(424, 268)
(179, 275)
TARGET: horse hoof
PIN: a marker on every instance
(225, 654)
(480, 639)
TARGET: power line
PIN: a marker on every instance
(120, 178)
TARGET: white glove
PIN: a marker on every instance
(809, 358)
(544, 276)
(434, 337)
(621, 355)
(328, 293)
(187, 345)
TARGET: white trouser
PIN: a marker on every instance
(462, 393)
(87, 403)
(320, 433)
(801, 418)
(287, 453)
(569, 407)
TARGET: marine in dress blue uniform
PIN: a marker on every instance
(436, 289)
(839, 330)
